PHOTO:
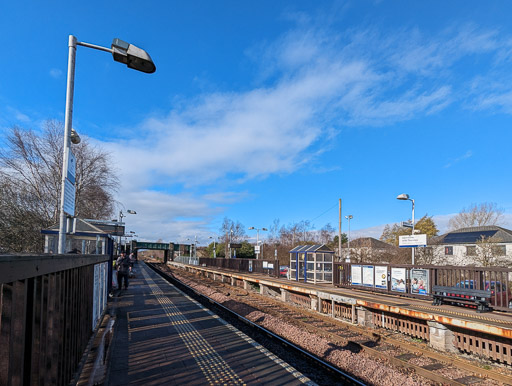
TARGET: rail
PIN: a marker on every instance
(49, 307)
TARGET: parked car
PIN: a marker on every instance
(500, 294)
(283, 271)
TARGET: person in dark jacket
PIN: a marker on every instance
(123, 270)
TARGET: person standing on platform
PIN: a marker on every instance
(123, 270)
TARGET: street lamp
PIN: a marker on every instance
(121, 215)
(230, 240)
(214, 252)
(405, 197)
(349, 217)
(122, 52)
(258, 239)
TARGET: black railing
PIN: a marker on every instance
(268, 267)
(48, 307)
(417, 281)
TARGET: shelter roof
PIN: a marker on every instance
(97, 227)
(312, 248)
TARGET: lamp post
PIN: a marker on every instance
(121, 215)
(405, 197)
(122, 52)
(258, 239)
(230, 240)
(349, 217)
(214, 252)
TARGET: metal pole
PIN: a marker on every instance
(214, 253)
(258, 242)
(339, 234)
(348, 239)
(413, 230)
(67, 140)
(119, 237)
(230, 239)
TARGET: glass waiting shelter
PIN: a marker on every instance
(311, 263)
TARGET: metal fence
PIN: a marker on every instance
(187, 260)
(417, 281)
(268, 267)
(48, 308)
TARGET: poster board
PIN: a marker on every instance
(381, 277)
(420, 281)
(356, 275)
(398, 280)
(368, 275)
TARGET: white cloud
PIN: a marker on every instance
(452, 162)
(166, 216)
(55, 73)
(274, 128)
(18, 115)
(316, 80)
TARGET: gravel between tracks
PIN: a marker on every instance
(370, 370)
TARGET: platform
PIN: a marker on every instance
(495, 323)
(162, 336)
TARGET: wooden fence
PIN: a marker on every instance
(48, 305)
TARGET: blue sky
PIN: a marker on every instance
(276, 109)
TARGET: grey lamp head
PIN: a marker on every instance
(132, 56)
(74, 137)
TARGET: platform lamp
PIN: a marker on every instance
(121, 215)
(214, 252)
(258, 238)
(349, 217)
(122, 52)
(405, 197)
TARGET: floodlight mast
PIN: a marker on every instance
(123, 52)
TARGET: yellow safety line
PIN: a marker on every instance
(215, 369)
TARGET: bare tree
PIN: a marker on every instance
(327, 234)
(231, 232)
(30, 183)
(477, 215)
(490, 253)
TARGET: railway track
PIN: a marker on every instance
(335, 376)
(416, 357)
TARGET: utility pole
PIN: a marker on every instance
(339, 234)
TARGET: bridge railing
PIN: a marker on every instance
(50, 306)
(417, 281)
(268, 267)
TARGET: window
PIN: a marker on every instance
(501, 250)
(448, 250)
(471, 250)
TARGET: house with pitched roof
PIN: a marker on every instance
(477, 246)
(368, 249)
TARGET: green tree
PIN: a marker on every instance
(246, 251)
(335, 244)
(425, 225)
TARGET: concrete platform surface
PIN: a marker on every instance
(163, 337)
